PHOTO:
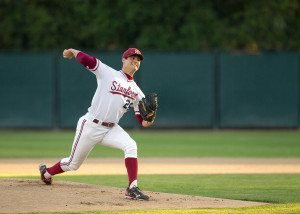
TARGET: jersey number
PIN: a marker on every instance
(127, 105)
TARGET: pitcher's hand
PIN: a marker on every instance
(68, 53)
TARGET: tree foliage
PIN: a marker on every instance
(243, 25)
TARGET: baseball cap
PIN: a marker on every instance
(133, 51)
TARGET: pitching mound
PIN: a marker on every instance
(25, 195)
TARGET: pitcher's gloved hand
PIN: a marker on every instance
(148, 107)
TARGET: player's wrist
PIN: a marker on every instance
(146, 123)
(74, 52)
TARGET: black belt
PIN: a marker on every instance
(104, 123)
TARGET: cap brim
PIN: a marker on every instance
(140, 55)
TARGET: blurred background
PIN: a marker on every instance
(215, 64)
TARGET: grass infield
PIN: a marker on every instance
(53, 144)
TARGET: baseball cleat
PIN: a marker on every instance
(135, 193)
(43, 169)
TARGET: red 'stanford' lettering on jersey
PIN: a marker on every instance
(126, 92)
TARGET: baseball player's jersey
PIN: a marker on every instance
(116, 93)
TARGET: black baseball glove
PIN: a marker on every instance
(148, 105)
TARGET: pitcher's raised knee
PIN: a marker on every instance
(131, 152)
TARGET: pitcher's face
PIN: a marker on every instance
(132, 62)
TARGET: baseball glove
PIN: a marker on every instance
(148, 105)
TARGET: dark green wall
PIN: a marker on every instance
(184, 83)
(259, 90)
(195, 90)
(26, 90)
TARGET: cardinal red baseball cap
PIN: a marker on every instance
(133, 51)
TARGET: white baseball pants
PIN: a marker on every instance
(88, 134)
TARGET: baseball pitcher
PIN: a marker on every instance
(116, 93)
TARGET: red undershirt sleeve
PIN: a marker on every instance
(139, 117)
(86, 60)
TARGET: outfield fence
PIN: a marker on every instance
(196, 90)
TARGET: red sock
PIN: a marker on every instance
(132, 169)
(55, 169)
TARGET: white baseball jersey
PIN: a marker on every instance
(115, 94)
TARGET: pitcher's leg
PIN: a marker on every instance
(118, 138)
(84, 142)
(132, 171)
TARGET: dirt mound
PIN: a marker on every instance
(28, 195)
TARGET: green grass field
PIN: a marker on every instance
(53, 144)
(283, 190)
